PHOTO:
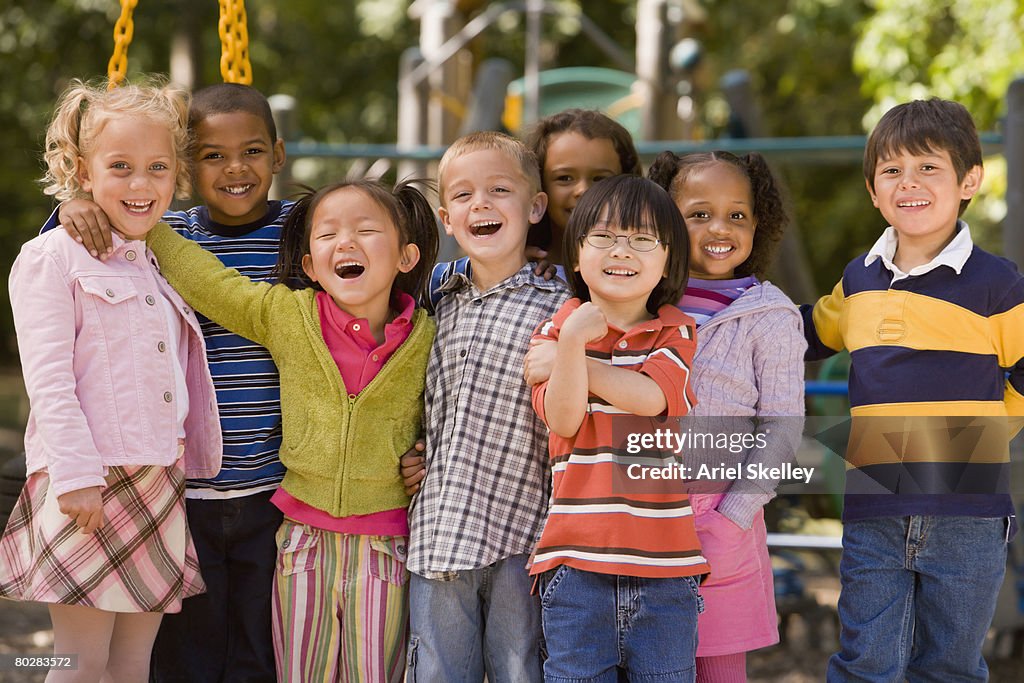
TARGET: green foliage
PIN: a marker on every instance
(954, 49)
(818, 67)
(798, 53)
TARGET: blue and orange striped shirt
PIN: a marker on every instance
(946, 340)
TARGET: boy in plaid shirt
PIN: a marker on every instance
(482, 502)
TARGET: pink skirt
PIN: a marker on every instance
(739, 593)
(140, 560)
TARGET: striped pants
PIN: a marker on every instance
(341, 609)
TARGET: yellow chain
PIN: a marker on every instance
(234, 43)
(117, 68)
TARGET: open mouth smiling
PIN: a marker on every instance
(485, 228)
(137, 206)
(348, 270)
(238, 190)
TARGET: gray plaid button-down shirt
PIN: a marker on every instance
(488, 480)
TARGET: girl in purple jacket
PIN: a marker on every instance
(122, 404)
(748, 377)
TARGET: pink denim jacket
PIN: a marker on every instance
(97, 363)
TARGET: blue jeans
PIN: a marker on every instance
(223, 634)
(483, 621)
(598, 624)
(918, 595)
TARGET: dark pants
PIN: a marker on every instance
(224, 634)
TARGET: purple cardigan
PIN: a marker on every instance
(749, 362)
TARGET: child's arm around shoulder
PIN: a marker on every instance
(822, 328)
(218, 292)
(1007, 328)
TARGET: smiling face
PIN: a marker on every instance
(355, 253)
(919, 195)
(572, 164)
(717, 204)
(621, 278)
(235, 161)
(130, 173)
(488, 205)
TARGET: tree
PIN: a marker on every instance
(953, 49)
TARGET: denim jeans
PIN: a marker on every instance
(596, 625)
(483, 621)
(918, 596)
(223, 635)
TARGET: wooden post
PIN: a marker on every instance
(1013, 149)
(284, 107)
(792, 269)
(412, 113)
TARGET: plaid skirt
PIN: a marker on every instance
(140, 560)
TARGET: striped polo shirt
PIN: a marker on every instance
(599, 520)
(244, 375)
(942, 342)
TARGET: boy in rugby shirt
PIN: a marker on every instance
(934, 328)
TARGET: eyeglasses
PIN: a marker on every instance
(637, 241)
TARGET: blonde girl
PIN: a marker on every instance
(122, 405)
(351, 347)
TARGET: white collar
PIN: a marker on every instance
(954, 255)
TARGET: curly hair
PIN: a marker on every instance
(670, 171)
(85, 107)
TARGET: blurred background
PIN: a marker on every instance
(380, 86)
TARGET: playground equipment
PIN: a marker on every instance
(234, 41)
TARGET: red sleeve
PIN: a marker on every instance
(669, 365)
(546, 331)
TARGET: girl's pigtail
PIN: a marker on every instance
(63, 146)
(664, 169)
(176, 101)
(420, 229)
(770, 212)
(288, 270)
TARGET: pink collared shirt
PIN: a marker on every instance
(359, 358)
(99, 367)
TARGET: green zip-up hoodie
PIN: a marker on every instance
(341, 452)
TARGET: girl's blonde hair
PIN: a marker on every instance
(85, 107)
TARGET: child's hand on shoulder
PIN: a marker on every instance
(84, 507)
(587, 324)
(84, 220)
(543, 267)
(539, 361)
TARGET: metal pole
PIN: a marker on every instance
(1013, 149)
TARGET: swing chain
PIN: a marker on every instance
(234, 41)
(117, 68)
